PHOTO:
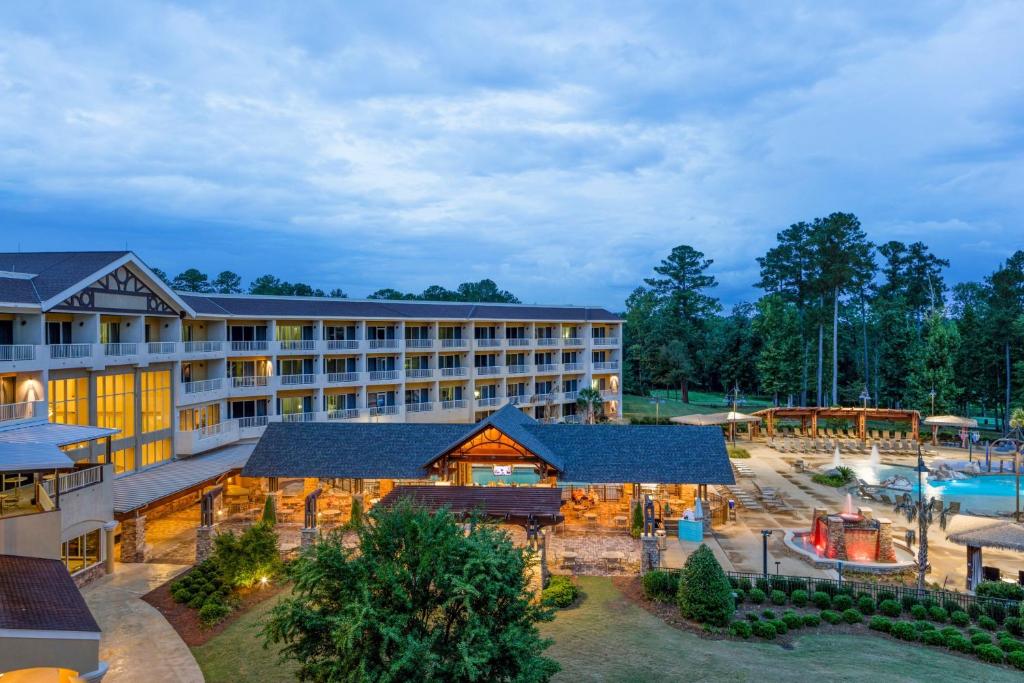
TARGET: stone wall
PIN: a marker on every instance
(133, 539)
(89, 575)
(886, 550)
(588, 546)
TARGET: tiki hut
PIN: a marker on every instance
(1002, 535)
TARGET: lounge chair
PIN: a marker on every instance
(884, 498)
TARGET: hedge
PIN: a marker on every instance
(1016, 659)
(821, 600)
(933, 638)
(560, 592)
(831, 616)
(904, 631)
(852, 616)
(740, 629)
(661, 586)
(989, 653)
(799, 598)
(842, 602)
(880, 623)
(960, 644)
(763, 629)
(960, 618)
(778, 597)
(756, 596)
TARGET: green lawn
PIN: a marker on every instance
(641, 406)
(608, 638)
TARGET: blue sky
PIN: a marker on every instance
(561, 149)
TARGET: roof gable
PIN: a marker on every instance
(511, 422)
(121, 290)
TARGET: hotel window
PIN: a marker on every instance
(339, 402)
(487, 391)
(156, 401)
(291, 405)
(449, 361)
(247, 333)
(380, 332)
(569, 332)
(110, 333)
(81, 552)
(545, 332)
(485, 360)
(294, 332)
(417, 395)
(571, 385)
(69, 401)
(489, 332)
(417, 362)
(340, 332)
(451, 393)
(197, 418)
(599, 383)
(417, 332)
(337, 365)
(115, 403)
(156, 451)
(380, 363)
(58, 332)
(449, 333)
(124, 460)
(244, 409)
(517, 389)
(569, 357)
(515, 332)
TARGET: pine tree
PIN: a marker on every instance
(705, 594)
(934, 367)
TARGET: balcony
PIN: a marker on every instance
(246, 346)
(26, 410)
(605, 341)
(609, 395)
(66, 351)
(117, 350)
(203, 346)
(206, 438)
(487, 370)
(518, 369)
(343, 414)
(572, 419)
(419, 343)
(341, 344)
(458, 371)
(297, 380)
(547, 341)
(518, 341)
(376, 411)
(487, 343)
(519, 399)
(455, 404)
(383, 343)
(572, 341)
(606, 365)
(79, 479)
(297, 345)
(384, 375)
(454, 343)
(541, 398)
(11, 353)
(298, 417)
(250, 382)
(161, 348)
(487, 402)
(572, 367)
(570, 395)
(203, 385)
(547, 367)
(419, 373)
(342, 377)
(419, 407)
(251, 427)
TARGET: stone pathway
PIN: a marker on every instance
(137, 643)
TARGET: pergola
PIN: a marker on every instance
(730, 418)
(809, 417)
(1003, 535)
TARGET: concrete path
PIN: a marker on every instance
(138, 644)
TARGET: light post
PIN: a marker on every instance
(865, 396)
(1016, 488)
(732, 423)
(765, 533)
(932, 395)
(924, 518)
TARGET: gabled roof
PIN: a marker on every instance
(37, 594)
(513, 423)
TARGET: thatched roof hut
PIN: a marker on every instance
(1002, 535)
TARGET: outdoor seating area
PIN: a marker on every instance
(893, 443)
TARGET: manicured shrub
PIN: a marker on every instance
(661, 586)
(885, 595)
(756, 596)
(792, 620)
(560, 592)
(821, 600)
(890, 608)
(904, 631)
(763, 629)
(763, 584)
(951, 605)
(196, 601)
(999, 589)
(752, 617)
(907, 602)
(921, 626)
(1016, 659)
(880, 623)
(989, 653)
(831, 616)
(1010, 644)
(995, 611)
(949, 631)
(938, 614)
(778, 597)
(974, 610)
(737, 453)
(780, 626)
(740, 629)
(981, 639)
(704, 593)
(799, 598)
(933, 638)
(244, 559)
(636, 521)
(919, 612)
(960, 618)
(213, 612)
(181, 595)
(768, 614)
(842, 602)
(852, 616)
(811, 620)
(269, 512)
(1014, 625)
(865, 605)
(987, 623)
(959, 644)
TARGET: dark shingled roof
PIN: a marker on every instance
(512, 422)
(39, 594)
(54, 271)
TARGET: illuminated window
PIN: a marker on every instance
(156, 451)
(197, 418)
(156, 400)
(124, 460)
(115, 403)
(81, 552)
(69, 401)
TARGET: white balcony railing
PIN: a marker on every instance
(419, 373)
(297, 344)
(419, 343)
(338, 344)
(419, 407)
(382, 375)
(203, 346)
(162, 347)
(253, 422)
(343, 414)
(21, 411)
(261, 345)
(606, 365)
(519, 399)
(202, 385)
(122, 349)
(383, 410)
(298, 379)
(487, 402)
(518, 341)
(457, 371)
(250, 381)
(547, 341)
(485, 370)
(60, 351)
(518, 369)
(572, 419)
(572, 341)
(605, 341)
(453, 405)
(541, 398)
(16, 352)
(570, 395)
(547, 367)
(383, 343)
(298, 417)
(340, 377)
(484, 343)
(454, 343)
(73, 481)
(572, 367)
(609, 394)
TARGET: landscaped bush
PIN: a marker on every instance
(778, 597)
(921, 626)
(831, 616)
(852, 616)
(842, 602)
(213, 612)
(763, 629)
(919, 612)
(780, 626)
(812, 620)
(880, 623)
(999, 589)
(560, 592)
(756, 596)
(821, 600)
(742, 583)
(866, 605)
(981, 639)
(704, 592)
(933, 638)
(799, 598)
(938, 614)
(951, 605)
(996, 611)
(1014, 625)
(792, 620)
(960, 618)
(1016, 659)
(959, 644)
(908, 602)
(740, 629)
(752, 617)
(987, 623)
(890, 608)
(1008, 644)
(989, 653)
(768, 614)
(661, 586)
(636, 522)
(738, 453)
(243, 560)
(974, 610)
(949, 632)
(886, 595)
(904, 631)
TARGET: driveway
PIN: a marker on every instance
(138, 644)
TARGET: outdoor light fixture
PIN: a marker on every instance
(765, 533)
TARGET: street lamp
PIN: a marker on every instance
(732, 423)
(765, 533)
(865, 396)
(932, 395)
(923, 512)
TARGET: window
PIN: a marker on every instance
(110, 333)
(417, 362)
(156, 400)
(485, 360)
(339, 402)
(58, 332)
(417, 396)
(417, 332)
(337, 365)
(124, 460)
(340, 332)
(451, 393)
(156, 451)
(115, 403)
(81, 552)
(450, 333)
(69, 401)
(291, 405)
(489, 332)
(197, 418)
(449, 361)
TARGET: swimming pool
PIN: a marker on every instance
(988, 494)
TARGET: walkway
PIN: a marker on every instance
(138, 644)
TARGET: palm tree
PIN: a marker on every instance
(1017, 419)
(589, 400)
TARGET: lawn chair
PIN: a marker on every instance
(884, 498)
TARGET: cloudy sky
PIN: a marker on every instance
(560, 149)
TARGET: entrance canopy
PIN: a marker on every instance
(515, 505)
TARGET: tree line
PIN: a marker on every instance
(228, 282)
(840, 321)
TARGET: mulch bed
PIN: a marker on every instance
(185, 620)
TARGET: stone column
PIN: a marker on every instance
(308, 536)
(886, 551)
(650, 559)
(109, 529)
(204, 542)
(536, 572)
(836, 547)
(133, 539)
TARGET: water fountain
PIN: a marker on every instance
(836, 460)
(854, 537)
(875, 458)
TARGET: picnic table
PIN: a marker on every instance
(569, 559)
(613, 558)
(591, 517)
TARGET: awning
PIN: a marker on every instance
(1005, 535)
(139, 490)
(703, 420)
(950, 421)
(53, 433)
(25, 457)
(512, 504)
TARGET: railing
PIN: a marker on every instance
(608, 393)
(383, 343)
(571, 395)
(419, 407)
(249, 381)
(413, 373)
(606, 365)
(572, 419)
(486, 402)
(15, 352)
(547, 367)
(383, 410)
(203, 346)
(483, 370)
(121, 349)
(518, 341)
(336, 344)
(518, 369)
(249, 345)
(210, 431)
(547, 341)
(253, 421)
(161, 347)
(457, 371)
(572, 341)
(605, 341)
(297, 344)
(18, 411)
(336, 377)
(488, 342)
(519, 399)
(298, 417)
(419, 343)
(540, 398)
(58, 351)
(454, 343)
(378, 375)
(292, 380)
(343, 414)
(199, 386)
(73, 481)
(453, 405)
(572, 367)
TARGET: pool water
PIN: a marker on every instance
(990, 494)
(482, 476)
